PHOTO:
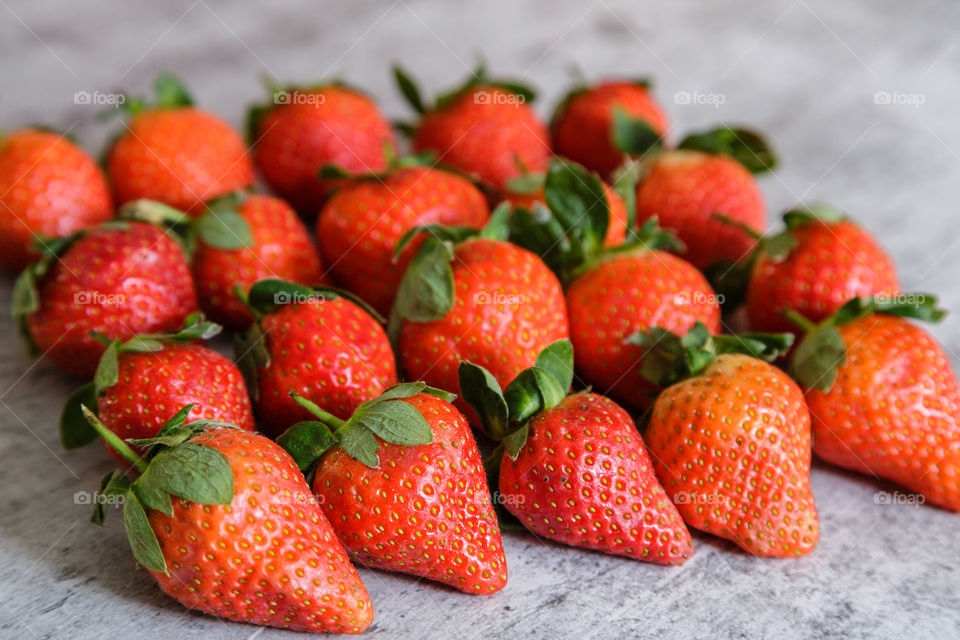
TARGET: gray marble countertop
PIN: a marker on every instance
(861, 101)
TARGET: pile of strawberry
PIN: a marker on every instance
(435, 314)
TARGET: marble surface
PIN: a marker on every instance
(860, 99)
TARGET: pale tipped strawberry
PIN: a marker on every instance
(321, 343)
(403, 485)
(883, 395)
(226, 524)
(119, 279)
(573, 468)
(142, 382)
(729, 436)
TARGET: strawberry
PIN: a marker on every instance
(142, 382)
(119, 279)
(318, 342)
(361, 224)
(708, 174)
(532, 189)
(486, 129)
(589, 120)
(404, 487)
(730, 439)
(226, 524)
(612, 293)
(817, 263)
(572, 468)
(49, 188)
(478, 298)
(303, 129)
(883, 396)
(175, 153)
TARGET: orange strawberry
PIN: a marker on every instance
(304, 129)
(730, 439)
(404, 487)
(883, 395)
(49, 188)
(572, 468)
(176, 154)
(245, 539)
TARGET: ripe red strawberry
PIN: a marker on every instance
(611, 294)
(730, 439)
(819, 262)
(403, 485)
(555, 186)
(883, 396)
(143, 382)
(484, 300)
(485, 128)
(177, 154)
(243, 239)
(708, 174)
(119, 279)
(587, 122)
(360, 225)
(315, 342)
(49, 188)
(304, 129)
(245, 541)
(573, 468)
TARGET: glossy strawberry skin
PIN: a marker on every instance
(360, 225)
(487, 133)
(118, 282)
(732, 448)
(152, 386)
(425, 511)
(282, 248)
(330, 125)
(629, 293)
(330, 351)
(685, 188)
(182, 157)
(582, 129)
(583, 478)
(831, 263)
(508, 306)
(268, 558)
(616, 224)
(49, 188)
(894, 409)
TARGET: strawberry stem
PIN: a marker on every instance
(799, 320)
(114, 440)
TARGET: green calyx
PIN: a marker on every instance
(168, 91)
(75, 429)
(634, 136)
(220, 226)
(669, 358)
(385, 417)
(173, 466)
(427, 158)
(822, 350)
(505, 413)
(747, 147)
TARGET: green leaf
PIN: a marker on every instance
(778, 246)
(170, 92)
(75, 431)
(332, 171)
(360, 444)
(557, 360)
(513, 442)
(113, 484)
(266, 295)
(151, 495)
(799, 216)
(517, 89)
(633, 136)
(394, 421)
(108, 370)
(746, 147)
(532, 391)
(224, 230)
(306, 441)
(143, 541)
(498, 227)
(440, 393)
(402, 390)
(481, 391)
(579, 201)
(25, 299)
(251, 354)
(194, 472)
(815, 362)
(153, 212)
(762, 346)
(426, 292)
(141, 344)
(625, 184)
(526, 184)
(409, 89)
